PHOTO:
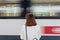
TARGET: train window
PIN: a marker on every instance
(45, 10)
(12, 1)
(44, 1)
(9, 1)
(10, 10)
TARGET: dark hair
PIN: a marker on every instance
(30, 20)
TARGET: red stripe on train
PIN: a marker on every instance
(51, 29)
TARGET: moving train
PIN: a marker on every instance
(47, 13)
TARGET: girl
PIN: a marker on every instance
(31, 31)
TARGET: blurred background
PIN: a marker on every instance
(12, 16)
(41, 9)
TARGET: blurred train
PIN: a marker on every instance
(47, 13)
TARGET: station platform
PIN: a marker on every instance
(9, 37)
(50, 38)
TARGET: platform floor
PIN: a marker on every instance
(50, 38)
(9, 37)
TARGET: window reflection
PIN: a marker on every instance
(51, 10)
(44, 1)
(9, 1)
(10, 10)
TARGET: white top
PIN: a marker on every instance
(32, 32)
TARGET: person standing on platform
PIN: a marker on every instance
(31, 30)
